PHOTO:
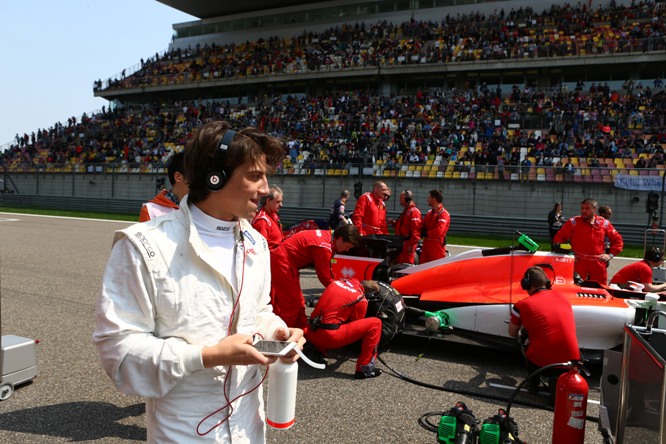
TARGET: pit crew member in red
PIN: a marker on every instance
(303, 249)
(267, 221)
(435, 226)
(339, 319)
(548, 320)
(370, 212)
(586, 233)
(408, 227)
(641, 271)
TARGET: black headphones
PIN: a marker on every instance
(654, 254)
(526, 281)
(409, 196)
(216, 176)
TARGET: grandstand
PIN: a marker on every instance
(388, 52)
(508, 91)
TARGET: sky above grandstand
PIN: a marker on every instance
(52, 52)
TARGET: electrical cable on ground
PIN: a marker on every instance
(508, 401)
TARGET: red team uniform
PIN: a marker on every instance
(587, 242)
(370, 215)
(408, 226)
(640, 272)
(268, 224)
(435, 226)
(299, 251)
(341, 311)
(548, 318)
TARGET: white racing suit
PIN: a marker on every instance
(162, 301)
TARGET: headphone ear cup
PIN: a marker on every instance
(215, 180)
(655, 255)
(548, 284)
(525, 282)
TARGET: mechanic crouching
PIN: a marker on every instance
(339, 319)
(547, 319)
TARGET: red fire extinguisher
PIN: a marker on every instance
(570, 408)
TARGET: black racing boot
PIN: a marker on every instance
(367, 374)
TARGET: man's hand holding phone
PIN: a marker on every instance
(236, 349)
(294, 335)
(274, 348)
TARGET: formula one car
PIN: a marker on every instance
(467, 297)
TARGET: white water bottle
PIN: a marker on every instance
(282, 381)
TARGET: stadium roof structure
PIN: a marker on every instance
(205, 9)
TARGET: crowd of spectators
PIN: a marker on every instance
(337, 130)
(563, 30)
(488, 127)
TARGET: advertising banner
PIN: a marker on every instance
(638, 183)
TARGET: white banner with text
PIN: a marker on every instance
(639, 183)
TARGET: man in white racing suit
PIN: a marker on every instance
(183, 296)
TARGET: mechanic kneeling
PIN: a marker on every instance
(548, 319)
(339, 319)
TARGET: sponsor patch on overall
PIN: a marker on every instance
(145, 243)
(247, 235)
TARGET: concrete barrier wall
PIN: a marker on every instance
(475, 200)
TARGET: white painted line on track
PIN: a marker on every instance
(65, 217)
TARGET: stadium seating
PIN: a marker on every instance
(133, 140)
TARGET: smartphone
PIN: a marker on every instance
(274, 348)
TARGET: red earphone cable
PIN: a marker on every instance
(226, 377)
